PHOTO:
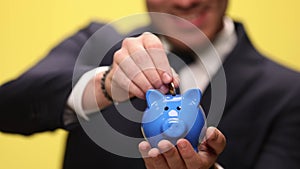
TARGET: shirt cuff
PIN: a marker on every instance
(76, 96)
(218, 166)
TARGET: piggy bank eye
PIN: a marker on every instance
(166, 108)
(178, 107)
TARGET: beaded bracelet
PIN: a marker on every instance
(103, 85)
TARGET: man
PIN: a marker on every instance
(261, 114)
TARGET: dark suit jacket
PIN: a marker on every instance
(261, 119)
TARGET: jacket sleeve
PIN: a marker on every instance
(35, 101)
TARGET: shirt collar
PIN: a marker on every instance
(206, 65)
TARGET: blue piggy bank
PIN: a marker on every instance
(171, 117)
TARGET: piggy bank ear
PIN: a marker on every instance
(153, 96)
(192, 96)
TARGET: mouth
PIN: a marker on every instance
(197, 19)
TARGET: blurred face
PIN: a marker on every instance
(207, 15)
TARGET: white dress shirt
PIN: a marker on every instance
(211, 60)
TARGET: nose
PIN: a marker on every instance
(185, 4)
(173, 113)
(173, 129)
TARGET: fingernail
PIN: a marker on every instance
(143, 146)
(164, 89)
(182, 144)
(167, 78)
(210, 133)
(165, 145)
(154, 152)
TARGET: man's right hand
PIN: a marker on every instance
(139, 65)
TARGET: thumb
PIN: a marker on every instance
(213, 144)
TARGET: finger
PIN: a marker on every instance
(158, 159)
(171, 154)
(214, 140)
(141, 58)
(121, 88)
(131, 70)
(165, 88)
(144, 148)
(213, 144)
(189, 156)
(155, 49)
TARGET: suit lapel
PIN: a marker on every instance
(242, 66)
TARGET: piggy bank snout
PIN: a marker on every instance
(173, 128)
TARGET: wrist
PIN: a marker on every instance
(104, 85)
(86, 96)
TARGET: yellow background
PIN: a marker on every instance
(30, 28)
